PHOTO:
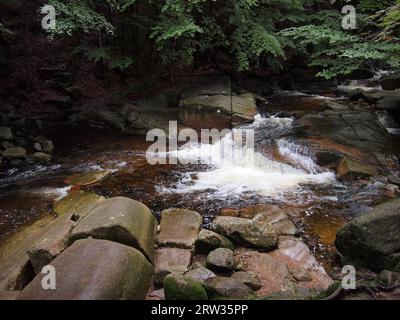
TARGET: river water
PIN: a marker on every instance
(277, 171)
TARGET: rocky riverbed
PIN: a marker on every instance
(219, 229)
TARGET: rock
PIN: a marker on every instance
(274, 274)
(52, 243)
(394, 179)
(221, 259)
(77, 203)
(301, 275)
(209, 86)
(14, 153)
(221, 287)
(286, 228)
(41, 157)
(217, 111)
(200, 274)
(9, 295)
(389, 104)
(38, 147)
(121, 220)
(95, 270)
(250, 279)
(7, 145)
(178, 287)
(47, 145)
(351, 169)
(6, 133)
(246, 232)
(279, 220)
(157, 295)
(390, 82)
(170, 260)
(87, 178)
(179, 228)
(334, 105)
(373, 239)
(390, 278)
(209, 240)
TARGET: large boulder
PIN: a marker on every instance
(221, 259)
(95, 270)
(178, 287)
(121, 220)
(373, 240)
(349, 168)
(246, 232)
(209, 240)
(179, 228)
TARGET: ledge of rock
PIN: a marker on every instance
(95, 270)
(373, 239)
(121, 220)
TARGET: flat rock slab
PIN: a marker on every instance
(221, 287)
(121, 220)
(77, 203)
(209, 240)
(179, 228)
(88, 178)
(173, 257)
(274, 274)
(302, 264)
(95, 270)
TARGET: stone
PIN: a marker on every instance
(170, 260)
(95, 270)
(390, 278)
(209, 86)
(51, 244)
(9, 295)
(221, 259)
(221, 287)
(121, 220)
(179, 228)
(394, 179)
(250, 279)
(157, 295)
(200, 274)
(246, 232)
(7, 145)
(14, 153)
(41, 157)
(349, 168)
(274, 274)
(6, 133)
(286, 228)
(373, 239)
(77, 203)
(47, 145)
(87, 178)
(38, 147)
(177, 287)
(301, 275)
(209, 240)
(334, 105)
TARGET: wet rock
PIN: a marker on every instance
(95, 270)
(7, 145)
(6, 133)
(394, 179)
(390, 278)
(179, 228)
(221, 259)
(389, 104)
(121, 220)
(77, 203)
(351, 169)
(209, 86)
(41, 157)
(14, 153)
(286, 228)
(52, 243)
(250, 279)
(178, 287)
(391, 82)
(209, 240)
(373, 239)
(221, 287)
(47, 145)
(171, 260)
(280, 221)
(246, 232)
(301, 275)
(335, 106)
(87, 178)
(200, 274)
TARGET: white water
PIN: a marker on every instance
(359, 84)
(235, 170)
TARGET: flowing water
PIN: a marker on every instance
(276, 171)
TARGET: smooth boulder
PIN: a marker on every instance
(121, 220)
(178, 287)
(95, 270)
(221, 287)
(221, 259)
(209, 240)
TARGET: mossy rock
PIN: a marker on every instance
(178, 287)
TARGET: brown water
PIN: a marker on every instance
(29, 194)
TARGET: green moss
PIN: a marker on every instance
(178, 287)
